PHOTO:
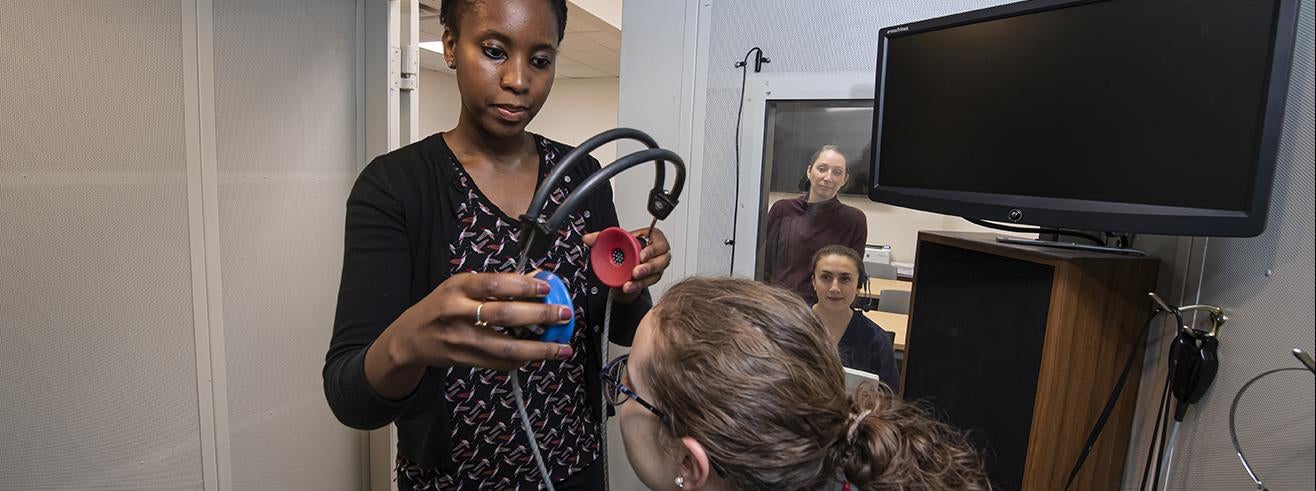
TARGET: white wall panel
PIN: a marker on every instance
(285, 110)
(97, 358)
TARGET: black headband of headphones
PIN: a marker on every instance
(537, 228)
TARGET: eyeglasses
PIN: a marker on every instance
(614, 376)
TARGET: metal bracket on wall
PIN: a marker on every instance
(409, 79)
(1218, 316)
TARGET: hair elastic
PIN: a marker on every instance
(854, 426)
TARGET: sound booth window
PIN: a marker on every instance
(796, 129)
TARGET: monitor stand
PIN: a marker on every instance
(1070, 245)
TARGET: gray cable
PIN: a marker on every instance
(521, 410)
(603, 394)
(1169, 454)
(529, 430)
(603, 402)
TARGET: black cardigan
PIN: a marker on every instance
(400, 222)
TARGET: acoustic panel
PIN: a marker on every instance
(97, 353)
(285, 109)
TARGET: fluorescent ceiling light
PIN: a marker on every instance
(433, 46)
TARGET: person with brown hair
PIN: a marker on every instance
(736, 385)
(796, 228)
(862, 344)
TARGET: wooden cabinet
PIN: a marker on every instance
(1021, 345)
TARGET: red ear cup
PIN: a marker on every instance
(614, 256)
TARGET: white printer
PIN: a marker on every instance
(877, 254)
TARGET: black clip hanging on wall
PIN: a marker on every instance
(1194, 355)
(1194, 360)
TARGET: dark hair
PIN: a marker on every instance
(838, 250)
(804, 180)
(843, 251)
(450, 13)
(830, 148)
(749, 371)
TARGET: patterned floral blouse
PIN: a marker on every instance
(489, 447)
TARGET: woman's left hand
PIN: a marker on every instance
(654, 259)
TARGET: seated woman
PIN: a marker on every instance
(837, 274)
(733, 384)
(796, 228)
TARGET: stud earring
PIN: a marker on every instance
(680, 482)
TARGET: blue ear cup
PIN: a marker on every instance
(557, 295)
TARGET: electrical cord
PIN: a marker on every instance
(603, 394)
(521, 411)
(1110, 404)
(1154, 449)
(735, 205)
(1160, 435)
(603, 407)
(529, 429)
(1036, 230)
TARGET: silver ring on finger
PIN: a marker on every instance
(479, 322)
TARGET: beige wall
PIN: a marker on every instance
(576, 109)
(439, 102)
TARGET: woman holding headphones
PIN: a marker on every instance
(430, 271)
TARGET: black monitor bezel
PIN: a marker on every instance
(1091, 214)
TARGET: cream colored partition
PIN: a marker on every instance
(173, 176)
(98, 377)
(286, 156)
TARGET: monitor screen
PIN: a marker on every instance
(1104, 114)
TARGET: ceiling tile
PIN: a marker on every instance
(606, 39)
(602, 57)
(564, 60)
(576, 42)
(581, 21)
(582, 72)
(613, 70)
(431, 26)
(433, 61)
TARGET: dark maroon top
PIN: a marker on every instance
(796, 229)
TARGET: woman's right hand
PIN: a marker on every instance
(442, 330)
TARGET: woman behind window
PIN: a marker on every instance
(797, 228)
(862, 344)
